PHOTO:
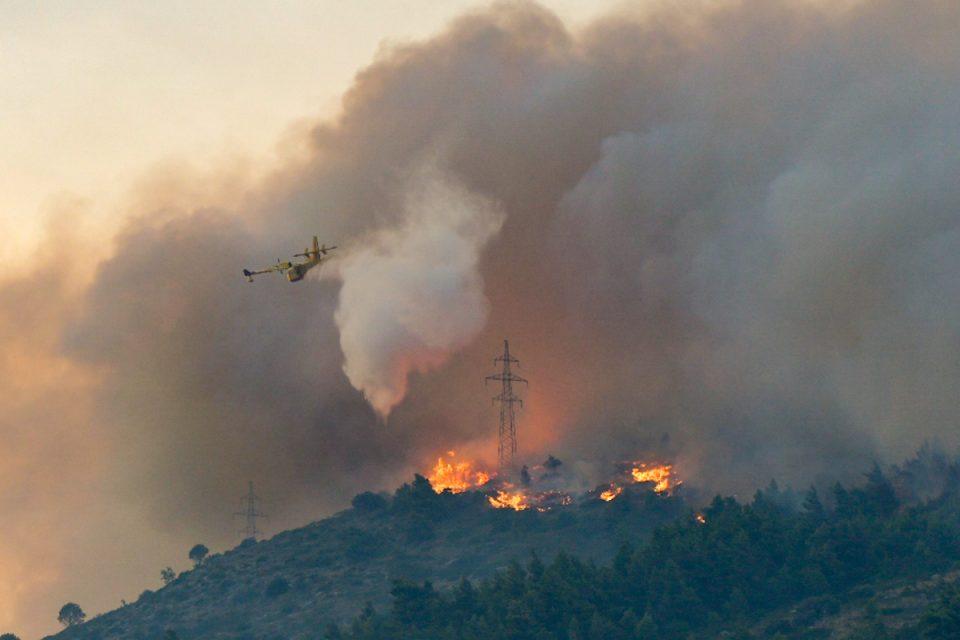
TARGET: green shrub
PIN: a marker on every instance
(277, 587)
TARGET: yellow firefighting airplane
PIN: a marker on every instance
(295, 270)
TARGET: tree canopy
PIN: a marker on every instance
(71, 614)
(198, 554)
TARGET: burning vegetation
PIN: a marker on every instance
(661, 475)
(456, 476)
(660, 478)
(612, 492)
(520, 499)
(543, 489)
(516, 500)
(462, 475)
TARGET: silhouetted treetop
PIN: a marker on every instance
(71, 614)
(198, 554)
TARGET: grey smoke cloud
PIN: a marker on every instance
(736, 223)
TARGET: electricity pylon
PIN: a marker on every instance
(250, 512)
(507, 448)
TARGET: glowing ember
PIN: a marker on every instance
(660, 475)
(456, 476)
(546, 500)
(611, 493)
(516, 500)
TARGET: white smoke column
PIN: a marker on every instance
(412, 294)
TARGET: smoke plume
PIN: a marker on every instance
(734, 222)
(412, 294)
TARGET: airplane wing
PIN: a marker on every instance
(279, 267)
(316, 252)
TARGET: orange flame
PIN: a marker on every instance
(516, 500)
(456, 476)
(660, 475)
(611, 493)
(521, 500)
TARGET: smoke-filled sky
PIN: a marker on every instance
(734, 222)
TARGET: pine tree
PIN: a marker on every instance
(647, 628)
(812, 507)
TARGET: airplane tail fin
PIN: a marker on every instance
(316, 246)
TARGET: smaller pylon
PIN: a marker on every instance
(250, 512)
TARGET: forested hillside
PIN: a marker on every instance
(298, 582)
(871, 561)
(733, 570)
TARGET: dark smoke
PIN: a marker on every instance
(737, 223)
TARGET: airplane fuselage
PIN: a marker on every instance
(297, 271)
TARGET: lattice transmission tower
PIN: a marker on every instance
(250, 511)
(507, 449)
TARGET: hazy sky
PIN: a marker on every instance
(97, 91)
